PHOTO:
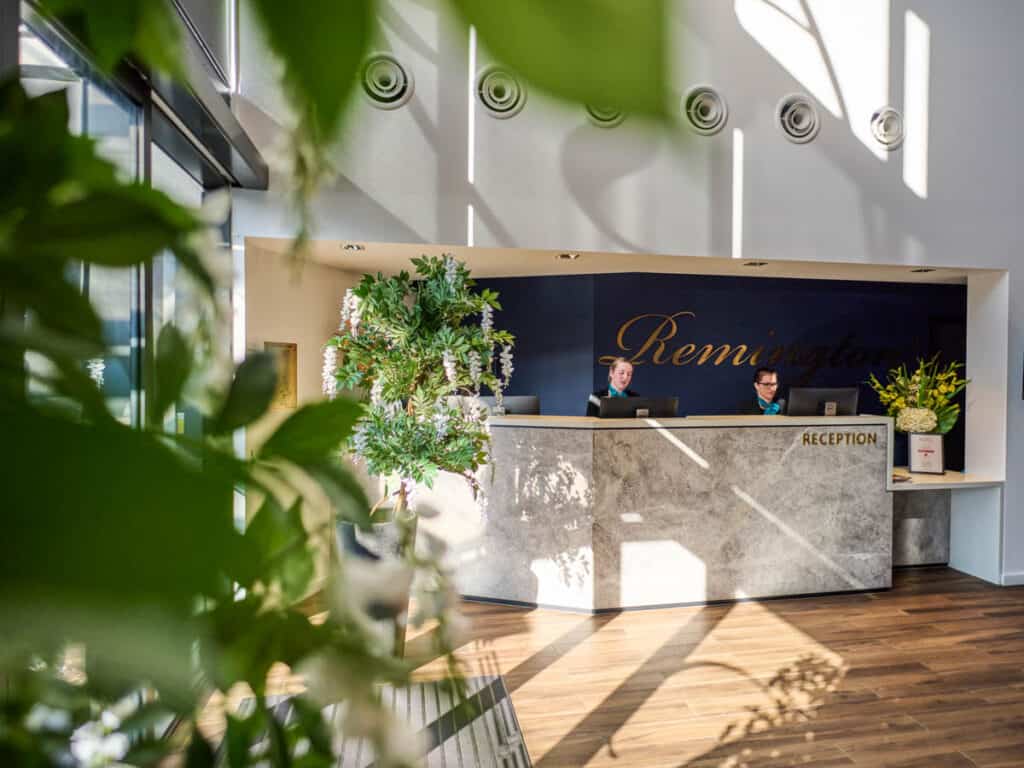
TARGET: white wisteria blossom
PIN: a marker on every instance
(919, 420)
(450, 371)
(330, 383)
(97, 743)
(96, 367)
(346, 308)
(475, 368)
(506, 364)
(44, 718)
(487, 319)
(451, 269)
(355, 314)
(377, 393)
(441, 424)
(360, 437)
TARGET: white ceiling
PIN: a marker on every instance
(391, 258)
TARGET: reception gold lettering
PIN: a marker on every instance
(840, 438)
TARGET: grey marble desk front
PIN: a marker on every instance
(590, 514)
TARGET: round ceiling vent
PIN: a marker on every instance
(500, 92)
(797, 118)
(887, 127)
(605, 117)
(386, 83)
(705, 110)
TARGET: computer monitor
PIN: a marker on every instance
(822, 401)
(638, 407)
(515, 405)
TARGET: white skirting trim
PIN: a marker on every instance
(1013, 579)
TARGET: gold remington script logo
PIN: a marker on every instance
(660, 339)
(840, 438)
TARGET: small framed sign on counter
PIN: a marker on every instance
(926, 454)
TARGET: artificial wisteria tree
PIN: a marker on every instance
(414, 344)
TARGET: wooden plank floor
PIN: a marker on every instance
(928, 674)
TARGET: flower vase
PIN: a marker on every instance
(926, 453)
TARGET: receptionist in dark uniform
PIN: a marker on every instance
(620, 373)
(766, 387)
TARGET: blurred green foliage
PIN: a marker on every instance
(127, 595)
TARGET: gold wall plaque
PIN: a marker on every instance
(286, 357)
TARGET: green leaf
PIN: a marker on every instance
(113, 29)
(241, 734)
(313, 432)
(148, 717)
(346, 494)
(599, 52)
(250, 393)
(81, 536)
(173, 363)
(321, 46)
(312, 721)
(200, 753)
(119, 226)
(280, 757)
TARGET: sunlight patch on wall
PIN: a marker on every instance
(852, 581)
(687, 450)
(651, 572)
(916, 76)
(737, 194)
(855, 43)
(793, 46)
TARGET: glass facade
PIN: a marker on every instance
(134, 304)
(98, 110)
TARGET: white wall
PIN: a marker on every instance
(548, 179)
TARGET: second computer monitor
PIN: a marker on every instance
(822, 401)
(638, 407)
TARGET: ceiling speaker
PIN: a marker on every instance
(500, 92)
(386, 83)
(605, 117)
(797, 118)
(705, 110)
(887, 127)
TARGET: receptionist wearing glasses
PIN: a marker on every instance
(620, 373)
(766, 389)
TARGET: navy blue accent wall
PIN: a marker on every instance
(553, 322)
(695, 337)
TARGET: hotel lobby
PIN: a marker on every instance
(448, 539)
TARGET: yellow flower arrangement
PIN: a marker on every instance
(929, 387)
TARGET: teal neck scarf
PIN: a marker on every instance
(613, 392)
(770, 409)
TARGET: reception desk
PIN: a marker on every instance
(596, 514)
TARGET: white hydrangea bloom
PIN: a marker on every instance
(330, 383)
(450, 371)
(916, 420)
